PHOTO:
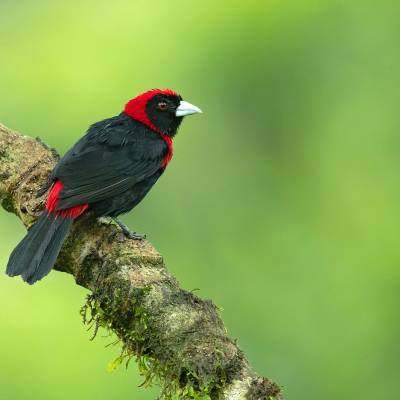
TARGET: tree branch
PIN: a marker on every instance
(177, 338)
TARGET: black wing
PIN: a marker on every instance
(112, 157)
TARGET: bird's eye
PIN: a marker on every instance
(162, 106)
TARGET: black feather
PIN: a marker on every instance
(111, 159)
(35, 255)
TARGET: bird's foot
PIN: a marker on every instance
(127, 232)
(134, 235)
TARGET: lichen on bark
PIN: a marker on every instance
(178, 339)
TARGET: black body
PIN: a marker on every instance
(112, 167)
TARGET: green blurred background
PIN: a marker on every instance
(282, 202)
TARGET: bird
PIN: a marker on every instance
(105, 174)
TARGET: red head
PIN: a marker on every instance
(160, 110)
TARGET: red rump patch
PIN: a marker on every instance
(52, 200)
(136, 109)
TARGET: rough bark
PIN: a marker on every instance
(178, 339)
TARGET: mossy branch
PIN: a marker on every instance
(177, 339)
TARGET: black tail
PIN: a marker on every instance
(36, 254)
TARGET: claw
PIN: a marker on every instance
(127, 232)
(134, 235)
